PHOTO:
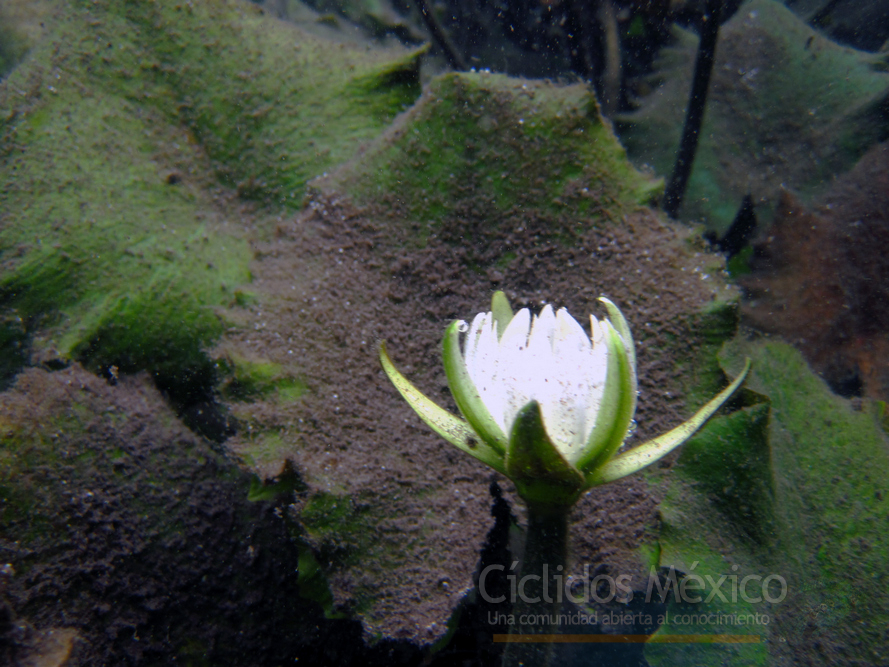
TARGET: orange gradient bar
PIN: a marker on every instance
(626, 639)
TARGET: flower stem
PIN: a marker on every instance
(694, 117)
(540, 586)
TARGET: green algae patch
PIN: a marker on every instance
(730, 465)
(719, 491)
(272, 105)
(340, 527)
(13, 347)
(337, 532)
(244, 378)
(313, 584)
(830, 461)
(117, 246)
(697, 363)
(787, 107)
(21, 26)
(265, 456)
(498, 144)
(101, 255)
(281, 487)
(791, 489)
(340, 532)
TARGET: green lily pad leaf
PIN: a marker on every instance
(451, 428)
(541, 474)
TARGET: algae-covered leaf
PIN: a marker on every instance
(790, 491)
(787, 108)
(116, 134)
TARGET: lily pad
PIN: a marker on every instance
(395, 517)
(118, 247)
(787, 107)
(162, 173)
(793, 488)
(500, 143)
(116, 520)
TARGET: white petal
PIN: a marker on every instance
(517, 372)
(515, 337)
(569, 335)
(482, 362)
(470, 344)
(598, 333)
(539, 361)
(542, 331)
(564, 413)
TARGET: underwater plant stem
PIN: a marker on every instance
(540, 586)
(611, 75)
(697, 102)
(440, 37)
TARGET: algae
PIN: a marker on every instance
(21, 26)
(244, 379)
(118, 248)
(125, 242)
(787, 107)
(499, 143)
(789, 486)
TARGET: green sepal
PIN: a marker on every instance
(502, 312)
(451, 428)
(620, 324)
(465, 393)
(649, 452)
(617, 407)
(541, 474)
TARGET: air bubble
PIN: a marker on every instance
(463, 327)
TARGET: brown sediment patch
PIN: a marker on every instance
(821, 279)
(120, 525)
(335, 280)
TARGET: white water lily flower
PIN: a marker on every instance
(507, 372)
(545, 404)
